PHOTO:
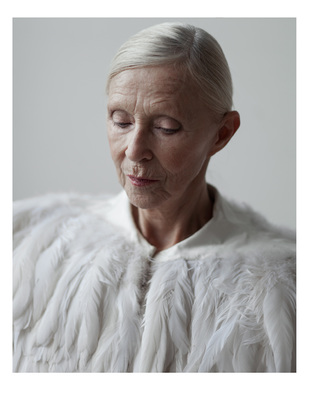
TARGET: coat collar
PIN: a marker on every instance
(224, 225)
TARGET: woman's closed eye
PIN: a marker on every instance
(166, 125)
(167, 131)
(121, 125)
(121, 119)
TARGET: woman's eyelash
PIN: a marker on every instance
(167, 130)
(121, 124)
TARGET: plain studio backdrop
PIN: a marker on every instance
(60, 142)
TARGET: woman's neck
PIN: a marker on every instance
(164, 227)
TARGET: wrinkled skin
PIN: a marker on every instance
(161, 137)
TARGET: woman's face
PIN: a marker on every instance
(161, 136)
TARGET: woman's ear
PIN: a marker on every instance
(227, 128)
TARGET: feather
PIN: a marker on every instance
(206, 301)
(167, 317)
(181, 305)
(217, 343)
(156, 353)
(25, 258)
(95, 300)
(129, 312)
(47, 273)
(279, 322)
(91, 293)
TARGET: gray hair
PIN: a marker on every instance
(186, 46)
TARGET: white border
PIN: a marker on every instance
(167, 386)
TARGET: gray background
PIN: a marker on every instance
(59, 107)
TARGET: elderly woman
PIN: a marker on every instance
(168, 276)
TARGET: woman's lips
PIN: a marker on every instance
(141, 181)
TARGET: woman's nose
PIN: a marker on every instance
(139, 146)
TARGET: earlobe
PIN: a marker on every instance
(227, 128)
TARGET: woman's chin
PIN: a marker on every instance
(142, 201)
(146, 200)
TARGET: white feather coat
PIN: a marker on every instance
(90, 297)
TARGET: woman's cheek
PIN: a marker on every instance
(116, 148)
(179, 158)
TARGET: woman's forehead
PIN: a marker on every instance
(151, 84)
(160, 78)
